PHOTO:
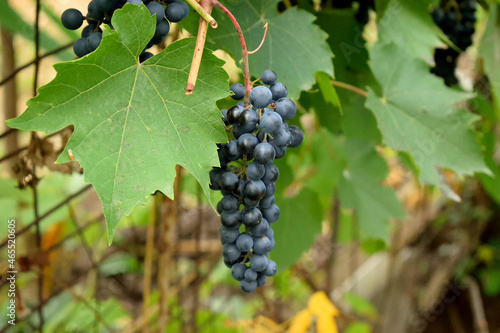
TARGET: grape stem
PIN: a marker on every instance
(203, 13)
(198, 50)
(244, 51)
(263, 39)
(350, 87)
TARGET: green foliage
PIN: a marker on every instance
(133, 122)
(361, 306)
(415, 113)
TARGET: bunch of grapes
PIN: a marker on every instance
(101, 11)
(247, 176)
(456, 19)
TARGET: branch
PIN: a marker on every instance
(244, 51)
(198, 51)
(352, 88)
(477, 305)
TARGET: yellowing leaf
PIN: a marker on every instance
(326, 324)
(300, 322)
(320, 305)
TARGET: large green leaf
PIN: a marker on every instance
(360, 188)
(297, 228)
(294, 48)
(489, 51)
(15, 24)
(408, 23)
(416, 113)
(133, 122)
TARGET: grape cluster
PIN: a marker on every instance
(457, 22)
(101, 12)
(247, 175)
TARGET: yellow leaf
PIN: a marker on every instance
(320, 304)
(326, 324)
(300, 322)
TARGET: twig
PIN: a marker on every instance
(198, 50)
(203, 13)
(477, 305)
(8, 132)
(244, 51)
(17, 70)
(266, 26)
(350, 87)
(50, 211)
(148, 261)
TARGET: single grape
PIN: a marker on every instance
(270, 122)
(155, 8)
(271, 214)
(94, 12)
(270, 232)
(280, 150)
(105, 5)
(297, 136)
(247, 143)
(249, 203)
(219, 208)
(135, 2)
(248, 286)
(251, 217)
(270, 189)
(271, 268)
(81, 47)
(162, 30)
(238, 271)
(230, 203)
(256, 171)
(267, 202)
(261, 280)
(231, 150)
(234, 113)
(231, 252)
(228, 235)
(278, 91)
(264, 153)
(254, 189)
(72, 19)
(272, 173)
(177, 11)
(229, 181)
(250, 275)
(215, 175)
(244, 242)
(269, 77)
(238, 90)
(282, 137)
(230, 220)
(90, 29)
(145, 56)
(94, 39)
(260, 229)
(260, 97)
(249, 119)
(261, 245)
(258, 262)
(286, 108)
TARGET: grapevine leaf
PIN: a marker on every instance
(294, 56)
(415, 113)
(360, 188)
(297, 227)
(133, 122)
(489, 51)
(408, 23)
